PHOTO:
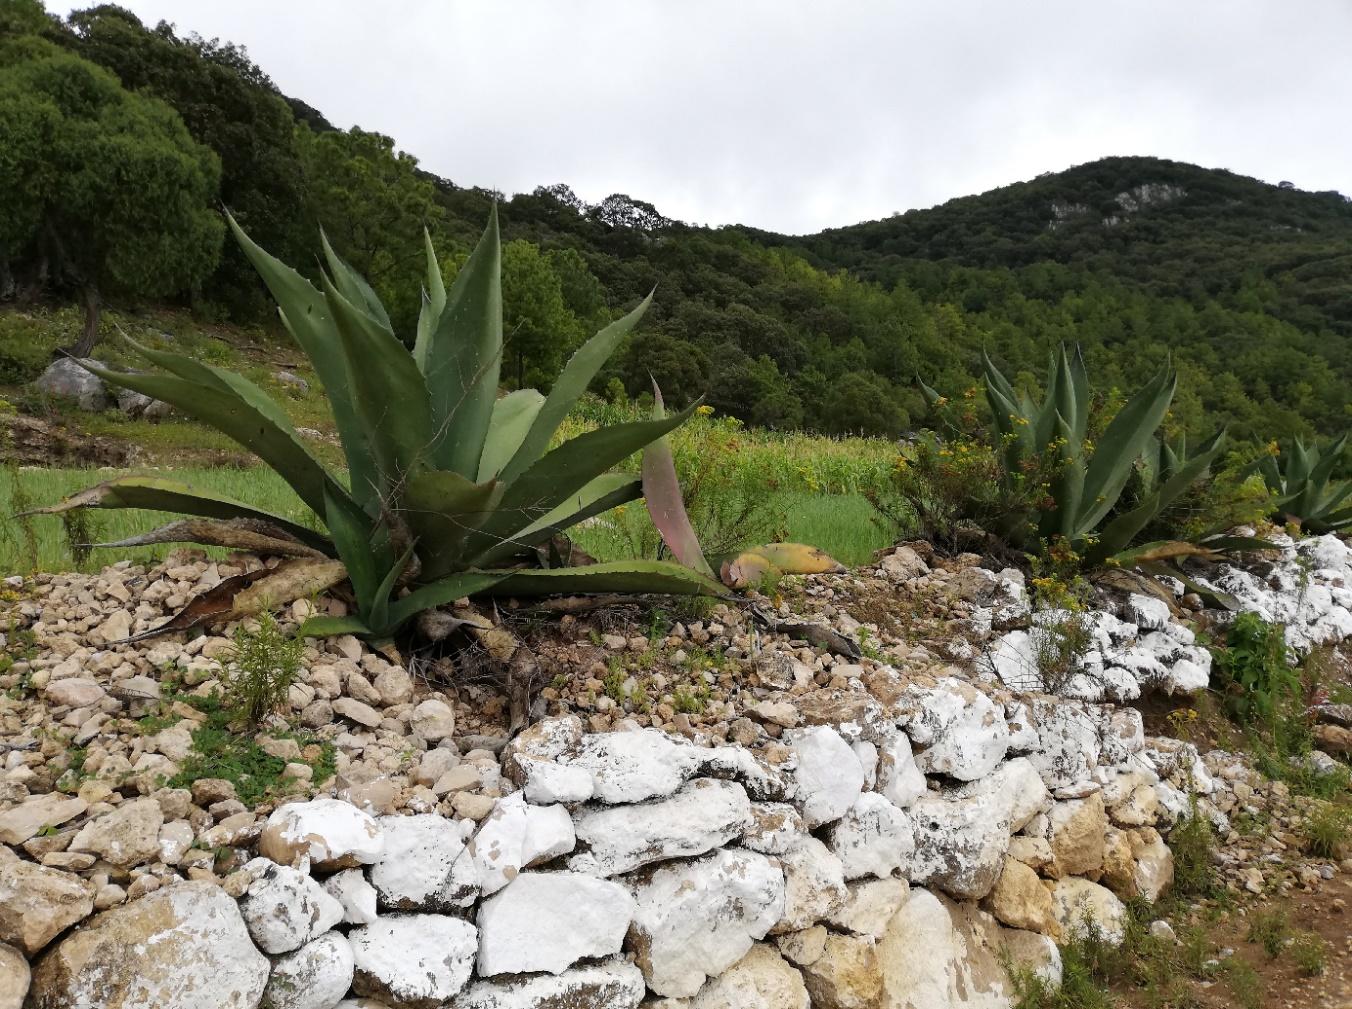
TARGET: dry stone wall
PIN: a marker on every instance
(888, 848)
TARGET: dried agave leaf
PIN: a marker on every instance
(250, 535)
(251, 593)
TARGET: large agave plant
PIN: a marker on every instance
(1307, 492)
(1086, 480)
(447, 487)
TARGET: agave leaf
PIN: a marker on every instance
(666, 505)
(228, 413)
(932, 396)
(1068, 485)
(463, 356)
(665, 577)
(438, 593)
(306, 317)
(433, 302)
(354, 286)
(599, 496)
(1213, 597)
(746, 569)
(365, 554)
(218, 378)
(157, 494)
(571, 384)
(388, 391)
(443, 508)
(249, 535)
(332, 627)
(562, 473)
(380, 606)
(1119, 533)
(513, 416)
(1121, 443)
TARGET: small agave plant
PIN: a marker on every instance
(1088, 480)
(1305, 488)
(448, 489)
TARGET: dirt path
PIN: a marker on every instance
(1280, 982)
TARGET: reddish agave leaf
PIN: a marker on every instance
(662, 491)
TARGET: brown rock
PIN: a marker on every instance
(1078, 827)
(38, 904)
(128, 836)
(24, 821)
(846, 975)
(1019, 900)
(14, 977)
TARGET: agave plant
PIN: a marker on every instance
(1306, 490)
(448, 487)
(1085, 480)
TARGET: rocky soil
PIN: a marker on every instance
(857, 793)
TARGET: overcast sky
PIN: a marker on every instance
(798, 116)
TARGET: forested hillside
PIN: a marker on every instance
(1247, 286)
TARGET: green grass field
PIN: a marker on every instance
(842, 524)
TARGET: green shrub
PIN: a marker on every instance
(26, 345)
(1253, 673)
(1271, 929)
(1193, 843)
(259, 670)
(1310, 953)
(1328, 830)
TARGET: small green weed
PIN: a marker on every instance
(1253, 672)
(1244, 983)
(260, 669)
(691, 701)
(1271, 929)
(1310, 953)
(1328, 832)
(1193, 842)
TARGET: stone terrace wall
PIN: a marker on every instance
(885, 850)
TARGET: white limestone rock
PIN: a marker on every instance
(548, 782)
(15, 977)
(775, 827)
(1147, 612)
(284, 908)
(612, 984)
(357, 896)
(333, 834)
(963, 732)
(960, 837)
(829, 776)
(704, 814)
(316, 976)
(547, 921)
(1069, 742)
(182, 945)
(870, 906)
(424, 866)
(694, 920)
(637, 765)
(126, 837)
(874, 838)
(900, 781)
(416, 960)
(498, 847)
(549, 834)
(814, 884)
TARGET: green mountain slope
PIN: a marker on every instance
(1245, 286)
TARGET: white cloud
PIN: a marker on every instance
(798, 116)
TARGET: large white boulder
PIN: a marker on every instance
(1069, 742)
(182, 945)
(316, 976)
(636, 765)
(704, 814)
(961, 836)
(424, 865)
(694, 920)
(68, 379)
(874, 838)
(332, 833)
(416, 960)
(613, 984)
(547, 921)
(356, 895)
(828, 774)
(963, 732)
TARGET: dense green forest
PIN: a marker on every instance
(119, 141)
